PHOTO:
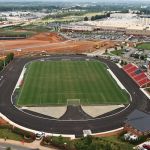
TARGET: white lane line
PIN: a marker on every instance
(2, 83)
(3, 147)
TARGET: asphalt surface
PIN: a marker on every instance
(78, 113)
(4, 146)
(65, 126)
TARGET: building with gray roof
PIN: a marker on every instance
(138, 123)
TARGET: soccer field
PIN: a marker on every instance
(53, 82)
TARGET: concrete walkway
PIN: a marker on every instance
(95, 111)
(55, 112)
(33, 145)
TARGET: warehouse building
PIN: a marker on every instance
(145, 31)
(77, 28)
(130, 24)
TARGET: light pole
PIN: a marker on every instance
(3, 53)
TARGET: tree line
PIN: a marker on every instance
(6, 61)
(96, 17)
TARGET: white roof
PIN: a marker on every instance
(136, 28)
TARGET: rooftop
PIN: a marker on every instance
(139, 120)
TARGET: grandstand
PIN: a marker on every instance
(137, 75)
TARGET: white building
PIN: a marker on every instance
(76, 28)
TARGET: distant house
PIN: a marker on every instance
(138, 123)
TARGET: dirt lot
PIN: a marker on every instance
(51, 43)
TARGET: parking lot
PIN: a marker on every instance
(109, 35)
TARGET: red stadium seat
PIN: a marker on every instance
(140, 78)
(127, 66)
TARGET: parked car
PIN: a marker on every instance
(39, 135)
(133, 138)
(147, 147)
(127, 136)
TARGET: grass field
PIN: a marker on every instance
(53, 82)
(144, 46)
(117, 52)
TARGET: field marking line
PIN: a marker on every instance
(120, 82)
(116, 79)
(3, 147)
(23, 85)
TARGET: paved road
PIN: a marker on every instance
(11, 75)
(4, 146)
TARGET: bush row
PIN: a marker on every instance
(60, 142)
(85, 143)
(28, 136)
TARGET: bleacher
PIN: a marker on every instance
(136, 74)
(140, 76)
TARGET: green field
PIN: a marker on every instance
(117, 52)
(144, 46)
(53, 82)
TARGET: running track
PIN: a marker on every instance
(62, 126)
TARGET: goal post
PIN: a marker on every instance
(73, 102)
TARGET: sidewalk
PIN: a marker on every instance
(33, 145)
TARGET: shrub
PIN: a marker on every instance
(61, 142)
(28, 136)
(141, 139)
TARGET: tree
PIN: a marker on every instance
(121, 46)
(1, 65)
(125, 63)
(108, 14)
(86, 18)
(116, 50)
(142, 57)
(9, 57)
(122, 62)
(92, 18)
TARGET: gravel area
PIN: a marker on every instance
(55, 112)
(95, 111)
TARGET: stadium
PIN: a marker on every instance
(102, 88)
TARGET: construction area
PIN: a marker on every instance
(52, 43)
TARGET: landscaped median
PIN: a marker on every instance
(87, 143)
(8, 131)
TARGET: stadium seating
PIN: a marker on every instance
(132, 74)
(136, 74)
(139, 77)
(127, 66)
(132, 69)
(144, 82)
